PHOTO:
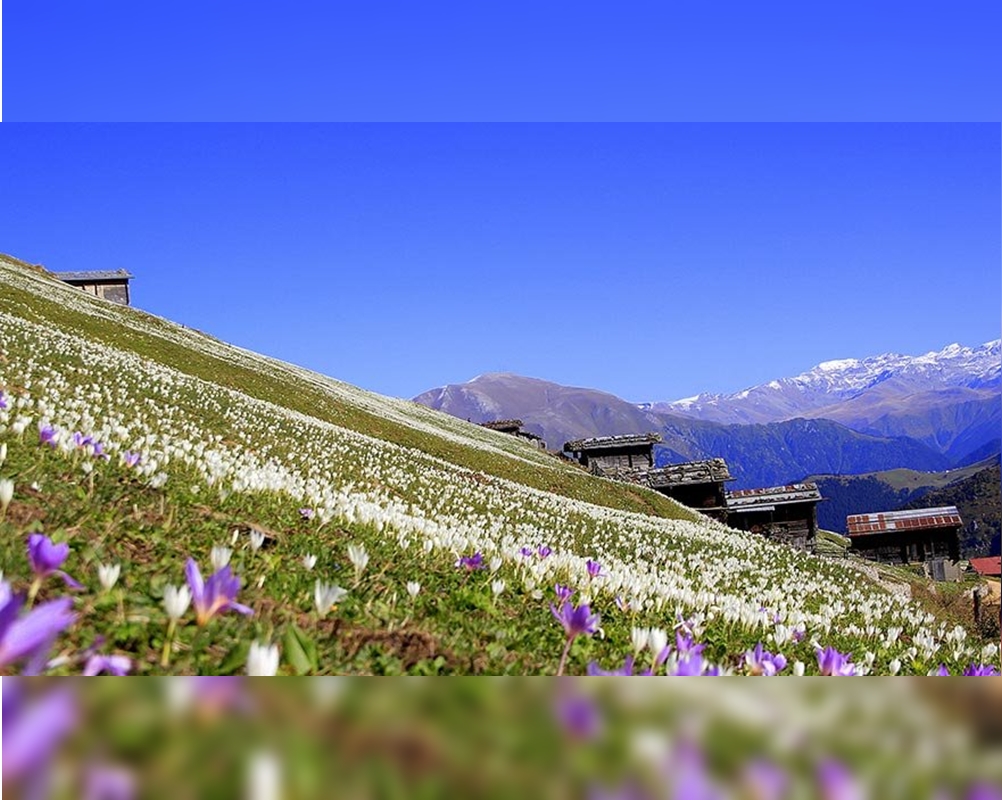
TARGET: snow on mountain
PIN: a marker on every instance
(832, 382)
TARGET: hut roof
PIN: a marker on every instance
(990, 565)
(914, 519)
(502, 424)
(612, 442)
(766, 499)
(689, 474)
(94, 276)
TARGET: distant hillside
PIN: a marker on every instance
(978, 497)
(975, 490)
(758, 455)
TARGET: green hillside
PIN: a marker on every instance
(140, 443)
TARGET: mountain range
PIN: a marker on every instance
(949, 400)
(927, 413)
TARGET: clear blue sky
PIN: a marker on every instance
(652, 261)
(338, 60)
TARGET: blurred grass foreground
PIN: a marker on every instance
(500, 737)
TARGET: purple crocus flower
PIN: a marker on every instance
(544, 551)
(526, 552)
(98, 451)
(306, 513)
(30, 636)
(835, 664)
(625, 670)
(761, 662)
(563, 593)
(594, 568)
(766, 781)
(47, 435)
(33, 729)
(578, 715)
(837, 783)
(46, 558)
(131, 459)
(693, 665)
(3, 401)
(980, 670)
(984, 791)
(577, 620)
(112, 665)
(109, 783)
(214, 596)
(471, 563)
(942, 672)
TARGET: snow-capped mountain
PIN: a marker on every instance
(950, 400)
(831, 382)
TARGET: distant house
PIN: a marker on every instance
(787, 514)
(696, 484)
(514, 428)
(988, 567)
(111, 285)
(610, 455)
(907, 537)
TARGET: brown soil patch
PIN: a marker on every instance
(410, 646)
(22, 515)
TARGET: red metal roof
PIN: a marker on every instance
(990, 565)
(915, 519)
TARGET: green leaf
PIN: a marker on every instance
(300, 651)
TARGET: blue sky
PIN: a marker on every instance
(651, 261)
(455, 60)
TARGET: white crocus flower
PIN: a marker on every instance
(640, 637)
(413, 587)
(262, 660)
(497, 587)
(176, 601)
(658, 640)
(495, 564)
(108, 574)
(798, 668)
(309, 561)
(256, 539)
(220, 557)
(326, 595)
(6, 494)
(359, 558)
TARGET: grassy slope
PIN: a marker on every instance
(455, 625)
(275, 382)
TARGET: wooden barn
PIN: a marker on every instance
(514, 428)
(787, 514)
(696, 484)
(111, 285)
(907, 537)
(610, 455)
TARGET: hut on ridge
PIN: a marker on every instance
(786, 514)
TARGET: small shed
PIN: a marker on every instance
(907, 537)
(514, 428)
(111, 285)
(605, 455)
(787, 514)
(696, 484)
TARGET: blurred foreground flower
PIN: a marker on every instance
(6, 495)
(33, 727)
(30, 636)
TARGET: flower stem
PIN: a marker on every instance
(168, 641)
(563, 656)
(33, 592)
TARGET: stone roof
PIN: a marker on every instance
(94, 276)
(761, 499)
(612, 442)
(690, 473)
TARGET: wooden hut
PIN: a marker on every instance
(610, 455)
(111, 285)
(907, 537)
(696, 484)
(513, 427)
(787, 514)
